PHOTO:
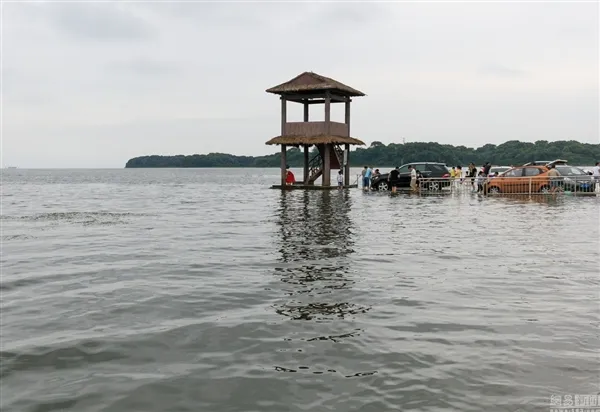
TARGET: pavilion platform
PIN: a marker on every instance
(302, 186)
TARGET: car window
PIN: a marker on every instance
(570, 171)
(513, 173)
(531, 171)
(403, 169)
(499, 169)
(437, 168)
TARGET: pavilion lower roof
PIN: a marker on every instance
(312, 140)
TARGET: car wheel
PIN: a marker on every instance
(433, 186)
(494, 190)
(544, 189)
(382, 186)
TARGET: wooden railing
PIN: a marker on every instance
(339, 154)
(315, 168)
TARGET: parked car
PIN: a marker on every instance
(575, 179)
(425, 170)
(529, 178)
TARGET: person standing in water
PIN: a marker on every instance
(290, 179)
(367, 178)
(340, 179)
(393, 177)
(480, 180)
(458, 177)
(473, 175)
(554, 177)
(486, 168)
(413, 178)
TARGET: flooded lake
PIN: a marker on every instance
(204, 290)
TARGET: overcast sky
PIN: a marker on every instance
(94, 84)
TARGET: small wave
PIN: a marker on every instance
(17, 237)
(319, 311)
(307, 369)
(82, 218)
(334, 338)
(7, 285)
(40, 358)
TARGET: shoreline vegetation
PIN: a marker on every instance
(395, 154)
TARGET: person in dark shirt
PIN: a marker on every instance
(393, 178)
(486, 168)
(472, 174)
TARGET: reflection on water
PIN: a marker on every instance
(314, 225)
(316, 241)
(551, 200)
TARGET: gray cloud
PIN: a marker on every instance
(98, 21)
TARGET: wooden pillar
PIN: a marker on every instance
(306, 112)
(283, 163)
(327, 165)
(327, 113)
(306, 171)
(347, 146)
(347, 115)
(283, 114)
(347, 165)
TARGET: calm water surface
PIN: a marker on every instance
(203, 290)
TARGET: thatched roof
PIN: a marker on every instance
(313, 82)
(321, 139)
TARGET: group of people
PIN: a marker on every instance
(476, 177)
(290, 179)
(368, 174)
(472, 172)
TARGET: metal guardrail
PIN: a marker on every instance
(447, 185)
(495, 186)
(576, 185)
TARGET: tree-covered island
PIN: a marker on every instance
(394, 154)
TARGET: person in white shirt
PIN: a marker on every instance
(340, 179)
(413, 178)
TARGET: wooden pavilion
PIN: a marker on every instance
(307, 89)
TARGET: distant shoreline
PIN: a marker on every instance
(510, 152)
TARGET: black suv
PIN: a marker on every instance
(424, 170)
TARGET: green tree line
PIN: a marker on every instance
(394, 154)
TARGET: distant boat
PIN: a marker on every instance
(11, 167)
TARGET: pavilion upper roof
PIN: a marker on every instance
(309, 82)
